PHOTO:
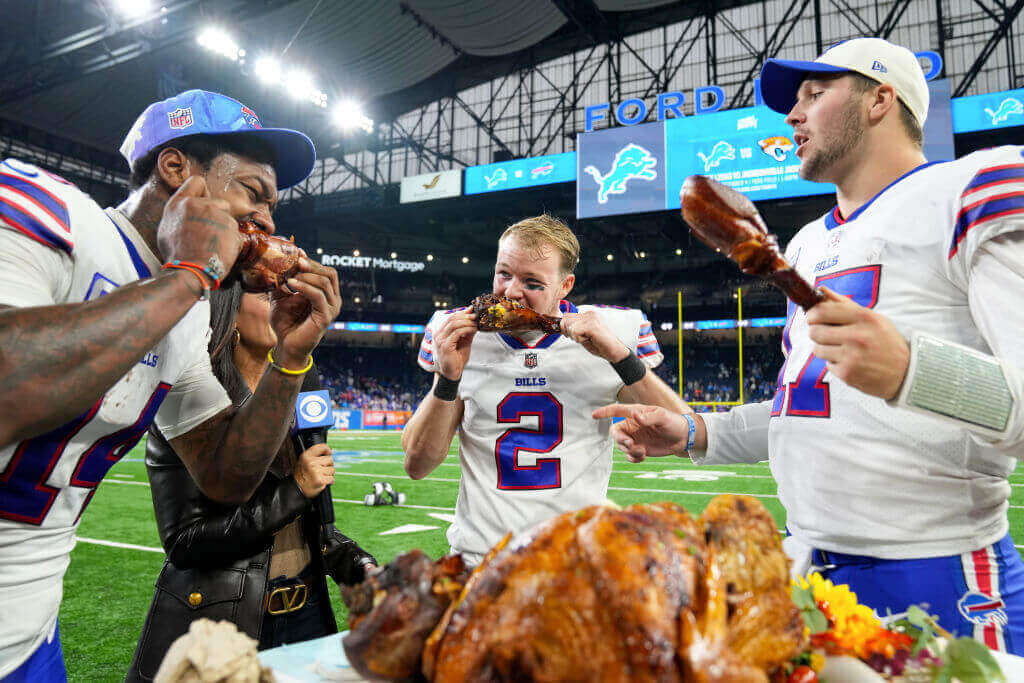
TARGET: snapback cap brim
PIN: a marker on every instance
(781, 79)
(294, 153)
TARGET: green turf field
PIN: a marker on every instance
(109, 585)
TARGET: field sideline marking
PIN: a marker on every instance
(115, 544)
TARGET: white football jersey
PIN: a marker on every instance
(57, 246)
(528, 446)
(855, 474)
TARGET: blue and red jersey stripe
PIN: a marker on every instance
(28, 208)
(993, 207)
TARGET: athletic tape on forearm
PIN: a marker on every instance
(958, 383)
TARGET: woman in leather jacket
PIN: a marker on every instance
(261, 565)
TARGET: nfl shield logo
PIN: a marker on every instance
(180, 118)
(530, 360)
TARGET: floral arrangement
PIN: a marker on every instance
(912, 646)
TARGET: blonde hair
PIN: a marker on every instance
(539, 231)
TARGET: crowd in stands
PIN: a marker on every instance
(372, 378)
(389, 378)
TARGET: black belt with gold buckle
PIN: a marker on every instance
(287, 599)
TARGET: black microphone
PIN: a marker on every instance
(313, 417)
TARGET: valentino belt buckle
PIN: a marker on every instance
(291, 599)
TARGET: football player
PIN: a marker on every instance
(897, 417)
(528, 447)
(104, 325)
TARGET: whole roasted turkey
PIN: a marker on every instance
(643, 593)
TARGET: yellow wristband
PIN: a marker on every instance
(273, 364)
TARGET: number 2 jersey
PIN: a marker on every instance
(528, 446)
(855, 474)
(58, 247)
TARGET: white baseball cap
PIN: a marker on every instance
(874, 58)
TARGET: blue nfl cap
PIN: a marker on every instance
(198, 112)
(874, 58)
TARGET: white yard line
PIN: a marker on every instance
(115, 544)
(118, 481)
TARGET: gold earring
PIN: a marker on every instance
(238, 337)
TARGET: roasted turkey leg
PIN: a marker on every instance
(500, 314)
(265, 261)
(728, 222)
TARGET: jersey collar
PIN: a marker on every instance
(544, 342)
(145, 261)
(834, 219)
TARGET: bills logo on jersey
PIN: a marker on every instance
(530, 360)
(981, 609)
(180, 118)
(250, 117)
(100, 286)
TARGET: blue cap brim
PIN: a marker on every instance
(781, 78)
(294, 153)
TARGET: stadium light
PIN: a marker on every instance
(394, 255)
(430, 257)
(643, 254)
(348, 114)
(465, 259)
(610, 257)
(319, 250)
(357, 299)
(268, 70)
(355, 252)
(667, 326)
(134, 8)
(679, 252)
(218, 40)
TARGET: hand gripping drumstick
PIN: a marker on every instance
(729, 223)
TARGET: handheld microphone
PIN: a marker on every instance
(313, 417)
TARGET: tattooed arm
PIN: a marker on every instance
(56, 361)
(228, 455)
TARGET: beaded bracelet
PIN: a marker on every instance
(204, 295)
(212, 270)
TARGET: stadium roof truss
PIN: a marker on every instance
(78, 74)
(537, 107)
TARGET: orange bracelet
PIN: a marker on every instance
(207, 271)
(205, 295)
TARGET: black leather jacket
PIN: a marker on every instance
(218, 557)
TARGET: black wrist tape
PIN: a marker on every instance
(446, 389)
(630, 369)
